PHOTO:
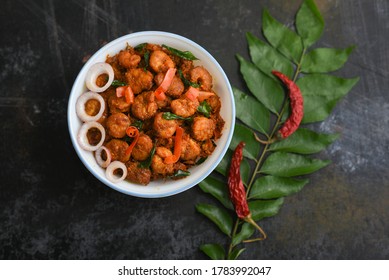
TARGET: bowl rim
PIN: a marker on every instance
(105, 49)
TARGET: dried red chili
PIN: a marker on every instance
(296, 105)
(238, 191)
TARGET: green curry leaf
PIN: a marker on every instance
(246, 231)
(183, 54)
(304, 141)
(322, 60)
(180, 174)
(217, 189)
(288, 165)
(268, 187)
(186, 82)
(117, 83)
(309, 22)
(140, 47)
(236, 253)
(171, 116)
(251, 112)
(260, 84)
(242, 133)
(266, 58)
(321, 93)
(282, 38)
(219, 216)
(213, 251)
(261, 209)
(204, 108)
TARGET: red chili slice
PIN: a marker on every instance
(164, 86)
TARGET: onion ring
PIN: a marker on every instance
(95, 71)
(82, 137)
(115, 165)
(99, 159)
(80, 106)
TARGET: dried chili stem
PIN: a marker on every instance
(253, 223)
(264, 142)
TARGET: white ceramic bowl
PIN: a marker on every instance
(222, 87)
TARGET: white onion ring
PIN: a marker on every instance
(80, 106)
(82, 137)
(99, 159)
(109, 172)
(95, 71)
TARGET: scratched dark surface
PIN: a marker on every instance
(51, 207)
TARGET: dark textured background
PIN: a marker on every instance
(52, 208)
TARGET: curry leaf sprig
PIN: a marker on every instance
(272, 171)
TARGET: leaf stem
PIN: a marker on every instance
(299, 65)
(232, 236)
(262, 155)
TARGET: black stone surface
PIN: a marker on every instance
(51, 207)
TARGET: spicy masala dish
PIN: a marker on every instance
(150, 113)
